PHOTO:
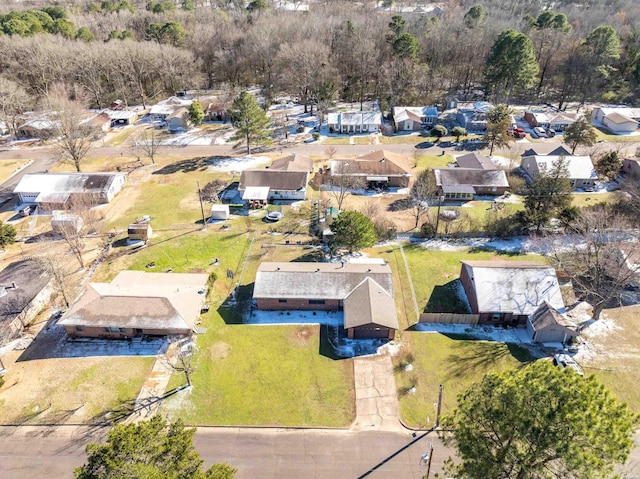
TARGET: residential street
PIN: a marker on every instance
(258, 453)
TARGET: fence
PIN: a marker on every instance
(449, 318)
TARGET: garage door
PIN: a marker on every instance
(28, 197)
(370, 333)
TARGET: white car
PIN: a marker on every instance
(540, 132)
(566, 361)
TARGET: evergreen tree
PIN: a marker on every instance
(539, 422)
(146, 450)
(548, 194)
(580, 133)
(511, 64)
(196, 113)
(354, 231)
(250, 121)
(7, 235)
(609, 165)
(498, 122)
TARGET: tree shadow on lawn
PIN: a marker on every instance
(487, 249)
(200, 163)
(471, 355)
(446, 298)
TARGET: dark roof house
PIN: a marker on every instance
(381, 166)
(476, 161)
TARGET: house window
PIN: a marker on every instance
(573, 183)
(112, 329)
(316, 301)
(496, 317)
(282, 301)
(79, 328)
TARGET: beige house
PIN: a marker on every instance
(363, 291)
(378, 168)
(137, 303)
(548, 325)
(582, 173)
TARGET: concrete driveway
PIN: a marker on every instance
(377, 406)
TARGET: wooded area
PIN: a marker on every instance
(511, 49)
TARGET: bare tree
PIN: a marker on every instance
(343, 180)
(56, 267)
(74, 134)
(371, 208)
(211, 191)
(603, 259)
(149, 143)
(331, 151)
(14, 101)
(183, 361)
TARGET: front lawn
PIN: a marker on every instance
(456, 363)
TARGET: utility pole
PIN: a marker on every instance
(439, 406)
(425, 460)
(204, 223)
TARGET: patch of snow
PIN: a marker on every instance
(329, 318)
(367, 260)
(236, 163)
(462, 295)
(408, 367)
(483, 332)
(393, 348)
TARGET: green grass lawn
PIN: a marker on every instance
(430, 160)
(605, 135)
(454, 362)
(336, 140)
(122, 136)
(265, 375)
(589, 199)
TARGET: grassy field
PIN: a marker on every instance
(616, 355)
(121, 136)
(9, 167)
(432, 160)
(605, 135)
(74, 390)
(452, 361)
(589, 199)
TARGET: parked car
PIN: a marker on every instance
(550, 133)
(26, 210)
(540, 132)
(565, 361)
(516, 132)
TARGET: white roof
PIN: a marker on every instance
(39, 124)
(256, 193)
(400, 113)
(120, 114)
(580, 167)
(355, 118)
(517, 288)
(64, 182)
(623, 110)
(220, 208)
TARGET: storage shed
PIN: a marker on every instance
(139, 231)
(219, 212)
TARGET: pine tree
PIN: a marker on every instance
(250, 121)
(196, 114)
(354, 231)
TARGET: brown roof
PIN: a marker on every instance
(475, 161)
(370, 304)
(546, 315)
(181, 113)
(274, 179)
(294, 162)
(135, 299)
(403, 162)
(311, 280)
(619, 118)
(470, 176)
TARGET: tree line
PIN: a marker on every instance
(140, 51)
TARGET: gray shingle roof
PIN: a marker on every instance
(470, 176)
(370, 304)
(274, 179)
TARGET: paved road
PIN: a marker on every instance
(28, 452)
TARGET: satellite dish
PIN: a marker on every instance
(424, 460)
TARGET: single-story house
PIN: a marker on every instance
(598, 113)
(121, 117)
(164, 108)
(464, 183)
(355, 122)
(582, 173)
(178, 120)
(475, 161)
(24, 290)
(220, 212)
(271, 184)
(474, 118)
(63, 191)
(42, 128)
(630, 166)
(412, 118)
(548, 325)
(293, 162)
(508, 292)
(137, 303)
(216, 111)
(557, 121)
(379, 167)
(619, 123)
(363, 291)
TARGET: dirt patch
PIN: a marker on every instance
(219, 350)
(302, 335)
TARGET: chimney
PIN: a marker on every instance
(317, 270)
